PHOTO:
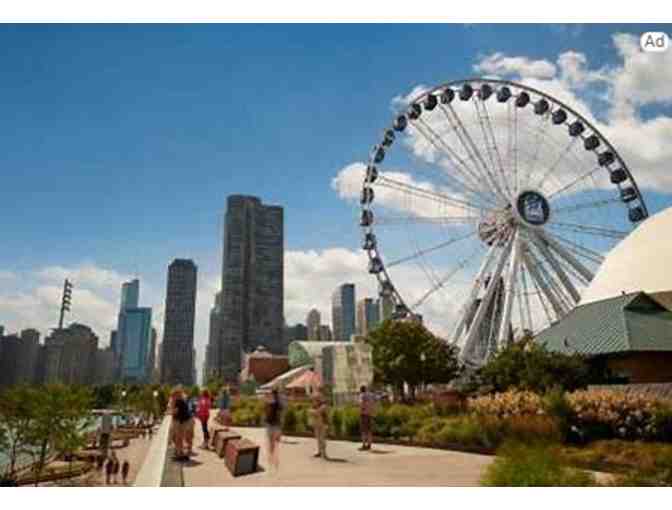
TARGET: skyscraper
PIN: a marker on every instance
(313, 325)
(252, 283)
(134, 330)
(212, 365)
(178, 330)
(130, 294)
(325, 333)
(343, 312)
(368, 316)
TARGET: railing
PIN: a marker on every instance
(151, 472)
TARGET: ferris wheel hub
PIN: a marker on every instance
(532, 208)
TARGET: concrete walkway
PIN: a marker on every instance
(385, 465)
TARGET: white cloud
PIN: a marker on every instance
(640, 79)
(87, 275)
(312, 276)
(7, 275)
(402, 101)
(500, 64)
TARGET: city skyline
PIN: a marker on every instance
(80, 232)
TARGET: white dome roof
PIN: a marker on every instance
(640, 262)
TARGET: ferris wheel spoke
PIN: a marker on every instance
(471, 149)
(425, 251)
(498, 157)
(483, 307)
(567, 252)
(441, 198)
(490, 146)
(592, 230)
(537, 146)
(509, 291)
(595, 204)
(440, 283)
(458, 163)
(567, 150)
(573, 183)
(533, 267)
(595, 256)
(526, 294)
(542, 246)
(386, 221)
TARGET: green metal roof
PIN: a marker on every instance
(633, 322)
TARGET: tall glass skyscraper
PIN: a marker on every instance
(137, 331)
(343, 312)
(133, 335)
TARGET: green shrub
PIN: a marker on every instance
(303, 422)
(464, 430)
(429, 431)
(289, 421)
(532, 465)
(336, 422)
(351, 422)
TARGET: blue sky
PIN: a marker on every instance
(121, 142)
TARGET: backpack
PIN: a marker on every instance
(182, 415)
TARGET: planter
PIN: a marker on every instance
(242, 457)
(221, 439)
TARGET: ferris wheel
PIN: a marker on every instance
(487, 207)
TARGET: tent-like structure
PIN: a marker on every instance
(631, 334)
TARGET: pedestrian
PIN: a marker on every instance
(203, 414)
(109, 469)
(100, 462)
(190, 426)
(366, 402)
(125, 468)
(179, 422)
(273, 415)
(115, 467)
(320, 417)
(224, 411)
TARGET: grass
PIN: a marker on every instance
(532, 465)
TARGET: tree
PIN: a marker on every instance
(530, 366)
(61, 417)
(406, 352)
(16, 418)
(104, 396)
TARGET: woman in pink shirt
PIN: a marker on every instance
(203, 414)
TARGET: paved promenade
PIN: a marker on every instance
(385, 465)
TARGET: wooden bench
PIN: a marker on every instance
(221, 438)
(242, 457)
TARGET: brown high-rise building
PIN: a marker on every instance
(178, 330)
(70, 355)
(253, 284)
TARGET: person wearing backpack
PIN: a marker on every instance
(181, 419)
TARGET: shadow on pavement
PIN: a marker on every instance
(380, 452)
(334, 459)
(285, 441)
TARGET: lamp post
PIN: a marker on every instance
(156, 406)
